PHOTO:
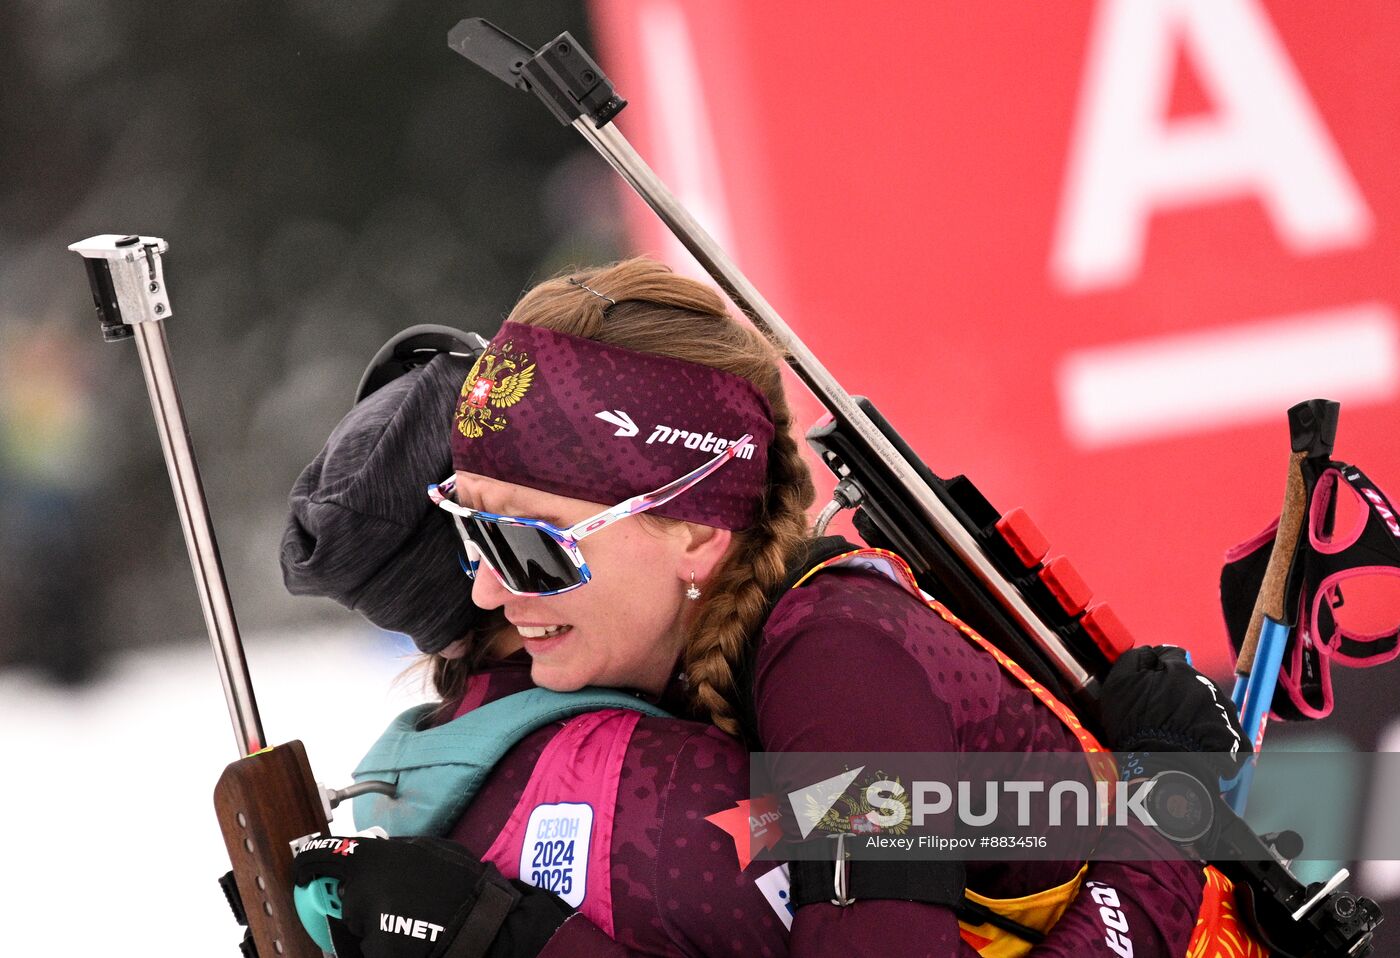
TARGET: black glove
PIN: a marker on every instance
(415, 897)
(1154, 701)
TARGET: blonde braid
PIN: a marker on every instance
(740, 593)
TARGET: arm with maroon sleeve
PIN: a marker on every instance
(1130, 908)
(580, 938)
(708, 903)
(677, 884)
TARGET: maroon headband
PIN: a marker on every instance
(597, 422)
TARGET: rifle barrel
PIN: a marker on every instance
(610, 142)
(128, 284)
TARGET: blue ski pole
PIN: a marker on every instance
(1312, 428)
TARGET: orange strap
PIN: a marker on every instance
(895, 568)
(1219, 932)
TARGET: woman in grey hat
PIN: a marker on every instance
(645, 872)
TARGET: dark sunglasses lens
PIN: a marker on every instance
(526, 558)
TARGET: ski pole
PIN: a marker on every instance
(1312, 428)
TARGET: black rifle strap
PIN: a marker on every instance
(494, 901)
(931, 882)
(941, 883)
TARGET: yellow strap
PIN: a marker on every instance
(1040, 911)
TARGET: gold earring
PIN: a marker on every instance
(693, 592)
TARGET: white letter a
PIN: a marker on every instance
(1264, 139)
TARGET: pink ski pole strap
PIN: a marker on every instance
(1327, 558)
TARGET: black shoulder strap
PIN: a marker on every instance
(941, 883)
(932, 882)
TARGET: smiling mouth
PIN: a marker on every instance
(541, 632)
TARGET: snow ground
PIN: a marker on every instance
(110, 842)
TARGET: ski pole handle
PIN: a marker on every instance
(128, 288)
(1312, 428)
(1269, 602)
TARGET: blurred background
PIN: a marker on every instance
(1086, 253)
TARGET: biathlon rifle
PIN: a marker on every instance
(268, 799)
(988, 567)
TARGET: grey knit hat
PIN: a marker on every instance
(361, 529)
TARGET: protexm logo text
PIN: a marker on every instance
(670, 435)
(706, 442)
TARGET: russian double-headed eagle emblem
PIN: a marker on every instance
(499, 380)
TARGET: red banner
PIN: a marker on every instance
(1087, 253)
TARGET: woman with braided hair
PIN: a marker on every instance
(641, 876)
(629, 493)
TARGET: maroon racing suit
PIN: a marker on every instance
(853, 662)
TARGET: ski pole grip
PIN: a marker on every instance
(1312, 428)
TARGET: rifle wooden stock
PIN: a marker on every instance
(264, 802)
